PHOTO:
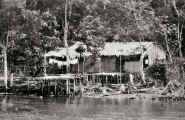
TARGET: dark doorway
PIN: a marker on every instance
(145, 61)
(120, 62)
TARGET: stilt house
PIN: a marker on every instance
(115, 57)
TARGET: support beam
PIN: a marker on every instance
(117, 78)
(11, 79)
(5, 69)
(42, 89)
(120, 68)
(67, 86)
(28, 86)
(74, 86)
(87, 80)
(45, 64)
(106, 81)
(55, 87)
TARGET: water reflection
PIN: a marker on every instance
(75, 108)
(6, 104)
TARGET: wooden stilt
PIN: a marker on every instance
(87, 80)
(80, 81)
(42, 89)
(106, 79)
(69, 91)
(67, 86)
(117, 79)
(48, 93)
(11, 80)
(74, 86)
(95, 79)
(103, 80)
(55, 87)
(120, 68)
(28, 86)
(92, 79)
(99, 79)
(49, 90)
(5, 68)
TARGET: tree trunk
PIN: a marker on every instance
(83, 65)
(45, 63)
(167, 47)
(5, 61)
(78, 66)
(120, 68)
(181, 68)
(5, 68)
(66, 36)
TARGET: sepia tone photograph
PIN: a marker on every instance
(92, 60)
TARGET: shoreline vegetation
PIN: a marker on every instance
(149, 93)
(111, 91)
(156, 86)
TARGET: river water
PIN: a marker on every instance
(77, 108)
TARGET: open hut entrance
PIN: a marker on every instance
(120, 63)
(145, 61)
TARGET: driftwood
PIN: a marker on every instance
(174, 88)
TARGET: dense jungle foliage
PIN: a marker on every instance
(29, 28)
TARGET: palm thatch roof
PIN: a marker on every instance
(72, 50)
(124, 48)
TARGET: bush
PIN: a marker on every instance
(126, 77)
(157, 72)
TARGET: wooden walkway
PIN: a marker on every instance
(65, 84)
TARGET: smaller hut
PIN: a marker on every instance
(58, 58)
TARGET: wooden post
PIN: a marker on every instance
(106, 79)
(94, 76)
(55, 87)
(100, 65)
(42, 90)
(49, 87)
(69, 81)
(120, 68)
(67, 86)
(78, 66)
(96, 79)
(142, 67)
(11, 80)
(117, 79)
(74, 86)
(87, 80)
(83, 65)
(28, 86)
(5, 69)
(45, 64)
